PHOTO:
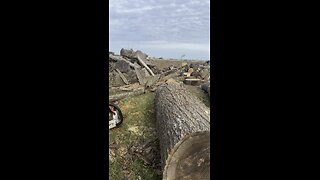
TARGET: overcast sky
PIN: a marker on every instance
(161, 28)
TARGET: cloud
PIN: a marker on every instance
(173, 24)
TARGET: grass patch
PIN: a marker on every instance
(139, 127)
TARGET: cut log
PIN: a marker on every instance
(140, 78)
(152, 80)
(119, 58)
(119, 96)
(206, 87)
(184, 132)
(192, 82)
(127, 52)
(166, 73)
(144, 65)
(122, 77)
(172, 75)
(128, 87)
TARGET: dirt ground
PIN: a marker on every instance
(134, 147)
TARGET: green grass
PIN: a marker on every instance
(137, 128)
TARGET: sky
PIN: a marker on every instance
(161, 28)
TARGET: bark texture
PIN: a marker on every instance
(206, 87)
(184, 133)
(123, 95)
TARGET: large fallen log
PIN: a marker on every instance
(123, 95)
(192, 82)
(184, 132)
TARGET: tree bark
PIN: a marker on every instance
(119, 58)
(206, 87)
(184, 132)
(192, 82)
(122, 77)
(119, 96)
(144, 65)
(140, 78)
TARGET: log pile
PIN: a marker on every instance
(131, 67)
(184, 132)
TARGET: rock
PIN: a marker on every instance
(122, 66)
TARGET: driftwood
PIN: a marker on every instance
(144, 65)
(123, 95)
(206, 87)
(122, 77)
(184, 132)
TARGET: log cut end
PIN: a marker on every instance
(190, 158)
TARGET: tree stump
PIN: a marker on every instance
(184, 132)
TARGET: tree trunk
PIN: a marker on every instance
(192, 82)
(123, 95)
(206, 87)
(184, 133)
(119, 58)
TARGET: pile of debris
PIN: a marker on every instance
(134, 70)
